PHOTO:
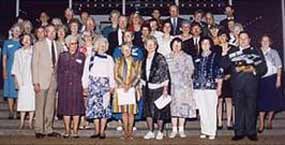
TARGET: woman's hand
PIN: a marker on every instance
(219, 92)
(85, 92)
(37, 88)
(227, 77)
(278, 83)
(5, 77)
(126, 88)
(165, 91)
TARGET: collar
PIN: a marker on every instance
(100, 55)
(49, 41)
(241, 48)
(28, 50)
(266, 51)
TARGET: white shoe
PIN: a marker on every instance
(182, 134)
(203, 136)
(149, 135)
(119, 128)
(134, 128)
(173, 134)
(212, 137)
(159, 135)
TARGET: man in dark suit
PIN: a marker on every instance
(247, 65)
(198, 17)
(192, 46)
(229, 11)
(174, 20)
(115, 38)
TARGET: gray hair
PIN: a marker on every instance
(151, 38)
(69, 38)
(100, 40)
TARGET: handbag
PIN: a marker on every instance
(162, 101)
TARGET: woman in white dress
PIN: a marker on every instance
(23, 74)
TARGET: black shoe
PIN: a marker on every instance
(54, 134)
(260, 130)
(39, 135)
(237, 137)
(95, 136)
(220, 127)
(230, 128)
(102, 136)
(252, 137)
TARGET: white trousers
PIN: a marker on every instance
(206, 101)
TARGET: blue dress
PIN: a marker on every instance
(9, 49)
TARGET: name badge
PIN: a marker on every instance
(197, 60)
(10, 45)
(78, 61)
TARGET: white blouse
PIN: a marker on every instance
(164, 45)
(102, 67)
(273, 62)
(148, 66)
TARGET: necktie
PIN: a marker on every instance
(53, 57)
(174, 25)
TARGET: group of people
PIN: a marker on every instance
(134, 69)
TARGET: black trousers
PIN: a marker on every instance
(245, 113)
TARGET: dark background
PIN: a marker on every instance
(258, 16)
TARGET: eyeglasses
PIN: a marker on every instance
(73, 43)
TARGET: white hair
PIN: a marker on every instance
(99, 41)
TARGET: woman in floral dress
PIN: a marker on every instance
(181, 69)
(98, 83)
